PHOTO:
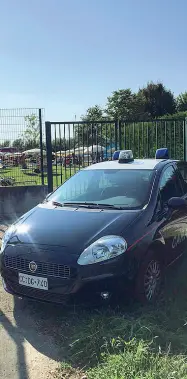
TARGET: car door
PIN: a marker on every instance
(181, 168)
(173, 223)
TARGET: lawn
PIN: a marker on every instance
(30, 178)
(129, 341)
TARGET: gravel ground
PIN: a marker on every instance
(27, 346)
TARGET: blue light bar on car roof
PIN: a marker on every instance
(116, 155)
(162, 153)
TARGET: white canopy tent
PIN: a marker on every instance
(34, 152)
(77, 151)
(94, 149)
(60, 153)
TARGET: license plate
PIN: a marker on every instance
(33, 281)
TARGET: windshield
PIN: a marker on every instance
(129, 189)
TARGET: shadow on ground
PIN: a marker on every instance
(18, 357)
(81, 335)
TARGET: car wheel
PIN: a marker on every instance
(149, 280)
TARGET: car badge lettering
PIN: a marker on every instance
(32, 266)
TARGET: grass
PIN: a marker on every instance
(30, 178)
(129, 341)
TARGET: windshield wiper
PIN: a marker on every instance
(102, 205)
(57, 204)
(87, 205)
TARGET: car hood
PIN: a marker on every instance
(71, 227)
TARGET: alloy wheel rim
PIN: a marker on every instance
(152, 280)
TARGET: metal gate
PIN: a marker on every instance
(21, 130)
(74, 145)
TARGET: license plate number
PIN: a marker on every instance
(33, 281)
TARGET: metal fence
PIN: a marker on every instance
(77, 144)
(145, 137)
(21, 131)
(73, 145)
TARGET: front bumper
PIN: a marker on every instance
(86, 281)
(63, 294)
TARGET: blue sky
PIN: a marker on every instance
(67, 55)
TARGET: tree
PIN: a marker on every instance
(119, 105)
(90, 132)
(125, 105)
(19, 144)
(159, 101)
(31, 135)
(93, 114)
(182, 102)
(61, 144)
(5, 143)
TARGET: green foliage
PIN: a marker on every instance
(159, 101)
(138, 363)
(148, 121)
(128, 342)
(61, 144)
(144, 138)
(5, 143)
(125, 105)
(176, 116)
(19, 144)
(150, 118)
(120, 105)
(31, 135)
(182, 102)
(93, 114)
(150, 102)
(91, 132)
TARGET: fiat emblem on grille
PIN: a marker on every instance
(32, 266)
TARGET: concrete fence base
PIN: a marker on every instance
(15, 201)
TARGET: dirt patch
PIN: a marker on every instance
(26, 351)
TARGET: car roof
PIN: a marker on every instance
(137, 164)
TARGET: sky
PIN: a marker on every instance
(68, 55)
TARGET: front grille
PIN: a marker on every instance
(46, 269)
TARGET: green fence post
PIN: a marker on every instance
(41, 146)
(119, 136)
(116, 128)
(49, 156)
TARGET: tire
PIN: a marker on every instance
(149, 280)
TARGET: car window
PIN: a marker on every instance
(169, 185)
(127, 188)
(76, 186)
(182, 169)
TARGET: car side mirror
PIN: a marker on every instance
(177, 203)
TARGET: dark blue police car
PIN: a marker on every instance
(110, 225)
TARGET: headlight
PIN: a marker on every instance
(104, 248)
(8, 234)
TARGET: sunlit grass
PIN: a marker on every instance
(130, 341)
(28, 177)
